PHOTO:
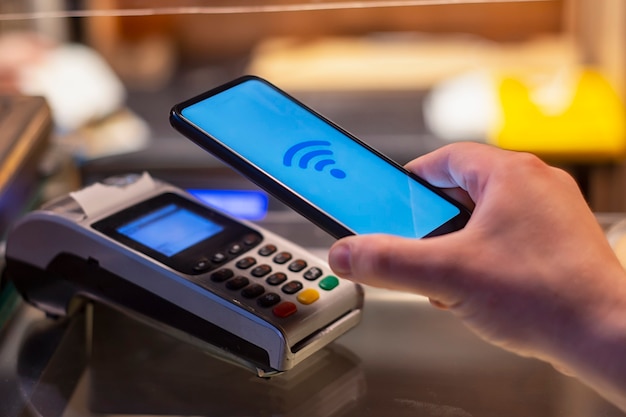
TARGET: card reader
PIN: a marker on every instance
(152, 250)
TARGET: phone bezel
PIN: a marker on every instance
(258, 176)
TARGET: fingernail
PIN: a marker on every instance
(339, 260)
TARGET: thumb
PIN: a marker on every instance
(429, 267)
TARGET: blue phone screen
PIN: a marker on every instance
(318, 162)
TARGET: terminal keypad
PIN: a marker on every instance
(274, 279)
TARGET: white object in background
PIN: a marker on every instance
(78, 84)
(463, 108)
(100, 197)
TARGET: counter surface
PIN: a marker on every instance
(405, 359)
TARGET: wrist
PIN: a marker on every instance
(593, 346)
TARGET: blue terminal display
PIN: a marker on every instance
(170, 229)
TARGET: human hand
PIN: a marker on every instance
(531, 272)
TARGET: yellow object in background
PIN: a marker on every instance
(591, 125)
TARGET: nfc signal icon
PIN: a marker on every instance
(312, 149)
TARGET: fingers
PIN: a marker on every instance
(438, 169)
(441, 267)
(426, 267)
(429, 267)
(465, 165)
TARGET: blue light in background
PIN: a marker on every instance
(242, 204)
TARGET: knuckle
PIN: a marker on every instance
(527, 161)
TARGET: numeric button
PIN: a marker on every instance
(253, 291)
(313, 273)
(267, 250)
(261, 271)
(237, 283)
(297, 265)
(245, 263)
(222, 275)
(292, 287)
(282, 257)
(276, 278)
(268, 299)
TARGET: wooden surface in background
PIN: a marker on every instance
(212, 37)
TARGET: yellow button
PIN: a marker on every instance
(308, 296)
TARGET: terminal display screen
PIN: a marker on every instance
(170, 229)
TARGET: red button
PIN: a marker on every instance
(284, 309)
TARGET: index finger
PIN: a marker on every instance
(466, 165)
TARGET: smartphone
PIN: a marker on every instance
(312, 165)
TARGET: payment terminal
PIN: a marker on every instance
(151, 250)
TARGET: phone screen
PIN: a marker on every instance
(318, 162)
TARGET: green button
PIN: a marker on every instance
(329, 283)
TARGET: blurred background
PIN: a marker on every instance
(547, 77)
(85, 93)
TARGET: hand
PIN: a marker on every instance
(531, 272)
